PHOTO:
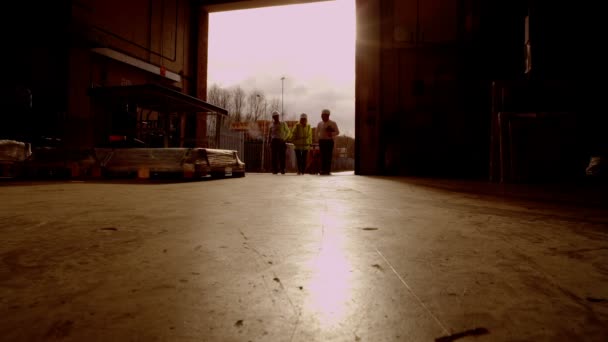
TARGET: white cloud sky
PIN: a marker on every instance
(311, 45)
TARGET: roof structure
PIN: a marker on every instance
(155, 97)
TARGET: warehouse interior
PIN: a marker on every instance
(472, 212)
(431, 79)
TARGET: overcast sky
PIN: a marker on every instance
(311, 45)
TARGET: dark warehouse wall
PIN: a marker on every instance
(34, 60)
(49, 54)
(432, 75)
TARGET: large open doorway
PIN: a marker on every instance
(293, 59)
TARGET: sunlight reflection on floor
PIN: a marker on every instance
(330, 286)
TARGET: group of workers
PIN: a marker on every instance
(302, 136)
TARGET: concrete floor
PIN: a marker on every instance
(302, 258)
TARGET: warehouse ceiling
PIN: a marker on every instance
(230, 5)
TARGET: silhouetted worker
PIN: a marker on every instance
(301, 136)
(277, 135)
(327, 130)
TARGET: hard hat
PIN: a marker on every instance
(275, 113)
(303, 116)
(325, 111)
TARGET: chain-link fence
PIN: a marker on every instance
(220, 136)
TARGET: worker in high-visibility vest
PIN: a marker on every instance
(278, 135)
(301, 137)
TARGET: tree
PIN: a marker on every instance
(263, 108)
(256, 103)
(214, 94)
(238, 102)
(275, 104)
(224, 98)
